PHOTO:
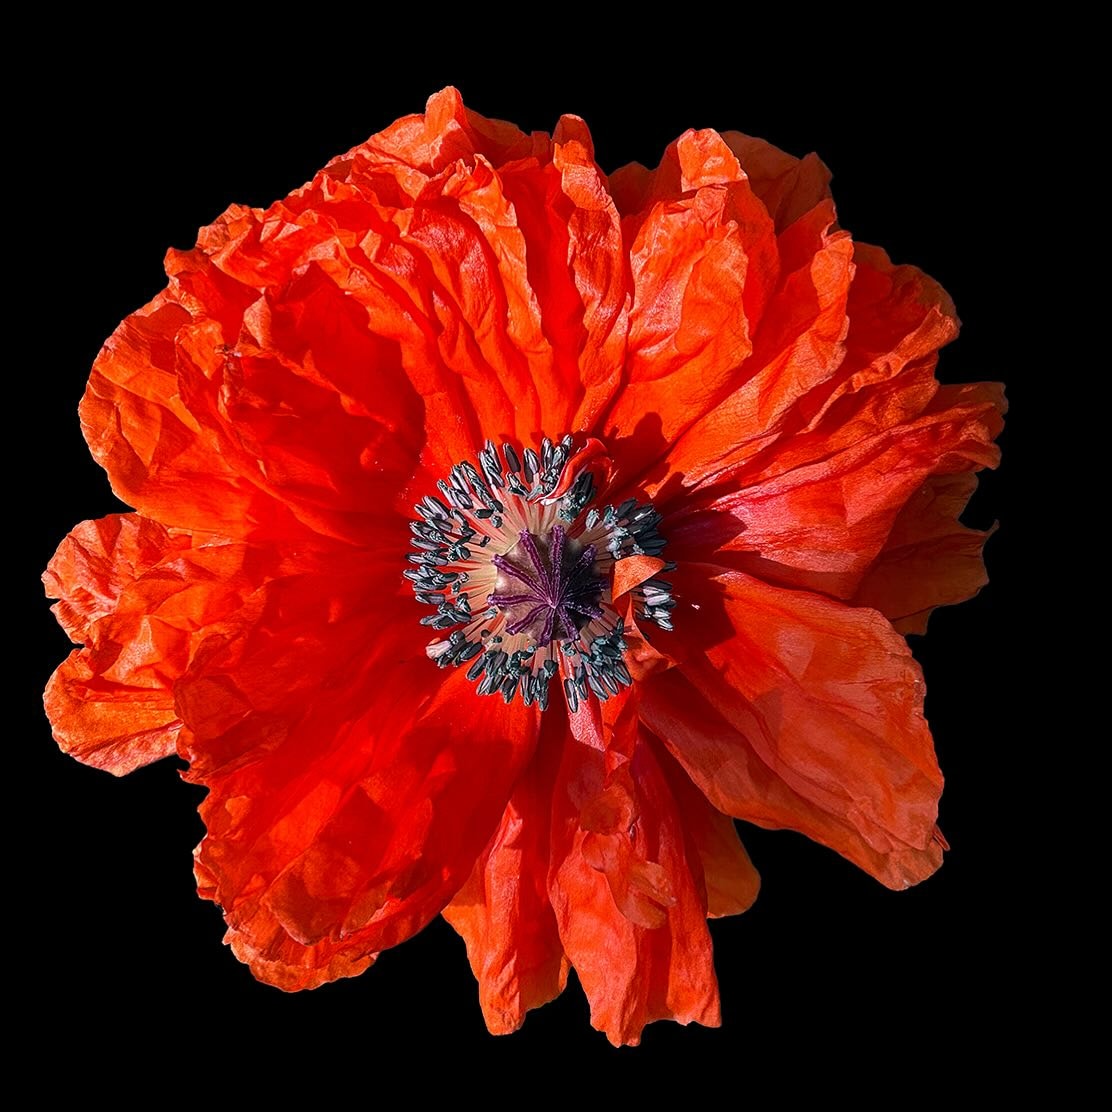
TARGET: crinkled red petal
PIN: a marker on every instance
(142, 598)
(277, 959)
(347, 792)
(731, 881)
(808, 716)
(703, 266)
(627, 888)
(503, 912)
(822, 521)
(929, 559)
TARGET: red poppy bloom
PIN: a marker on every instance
(503, 530)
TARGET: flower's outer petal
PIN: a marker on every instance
(97, 561)
(223, 407)
(788, 186)
(847, 454)
(419, 147)
(286, 371)
(808, 717)
(503, 911)
(427, 283)
(703, 263)
(796, 327)
(896, 319)
(444, 269)
(798, 345)
(929, 559)
(821, 523)
(114, 725)
(626, 884)
(577, 268)
(303, 358)
(467, 277)
(519, 264)
(899, 319)
(732, 882)
(449, 281)
(322, 405)
(276, 959)
(348, 793)
(308, 640)
(157, 456)
(881, 376)
(141, 598)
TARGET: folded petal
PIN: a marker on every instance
(520, 244)
(929, 559)
(850, 320)
(97, 561)
(788, 186)
(503, 912)
(627, 889)
(703, 263)
(797, 345)
(822, 518)
(505, 289)
(352, 785)
(732, 883)
(276, 959)
(418, 147)
(215, 411)
(577, 268)
(809, 717)
(141, 598)
(157, 456)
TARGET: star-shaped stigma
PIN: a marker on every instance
(555, 590)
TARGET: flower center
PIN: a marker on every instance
(518, 568)
(547, 586)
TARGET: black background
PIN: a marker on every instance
(138, 153)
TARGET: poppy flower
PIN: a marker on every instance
(502, 531)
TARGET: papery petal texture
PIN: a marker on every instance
(754, 490)
(627, 887)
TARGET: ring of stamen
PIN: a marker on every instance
(521, 577)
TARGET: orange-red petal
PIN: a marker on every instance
(788, 186)
(503, 912)
(850, 322)
(506, 251)
(810, 717)
(215, 411)
(577, 268)
(418, 147)
(929, 559)
(277, 959)
(797, 345)
(820, 522)
(141, 598)
(703, 263)
(627, 889)
(347, 792)
(731, 881)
